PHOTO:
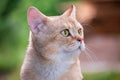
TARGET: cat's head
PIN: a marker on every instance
(57, 35)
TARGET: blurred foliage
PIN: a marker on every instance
(102, 76)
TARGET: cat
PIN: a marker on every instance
(54, 46)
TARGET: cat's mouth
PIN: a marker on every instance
(75, 47)
(79, 46)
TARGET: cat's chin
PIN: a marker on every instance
(82, 47)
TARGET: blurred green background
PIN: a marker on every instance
(14, 32)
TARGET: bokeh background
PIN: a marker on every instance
(101, 21)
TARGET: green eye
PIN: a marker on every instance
(80, 31)
(65, 32)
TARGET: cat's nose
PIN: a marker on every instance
(79, 39)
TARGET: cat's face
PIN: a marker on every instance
(59, 35)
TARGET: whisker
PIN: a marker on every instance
(89, 57)
(92, 53)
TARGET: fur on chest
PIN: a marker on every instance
(50, 71)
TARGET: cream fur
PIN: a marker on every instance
(51, 56)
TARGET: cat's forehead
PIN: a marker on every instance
(65, 22)
(72, 23)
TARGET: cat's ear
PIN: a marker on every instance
(36, 20)
(70, 12)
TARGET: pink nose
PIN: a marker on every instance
(79, 39)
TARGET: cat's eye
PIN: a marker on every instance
(65, 32)
(80, 31)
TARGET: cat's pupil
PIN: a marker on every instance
(66, 32)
